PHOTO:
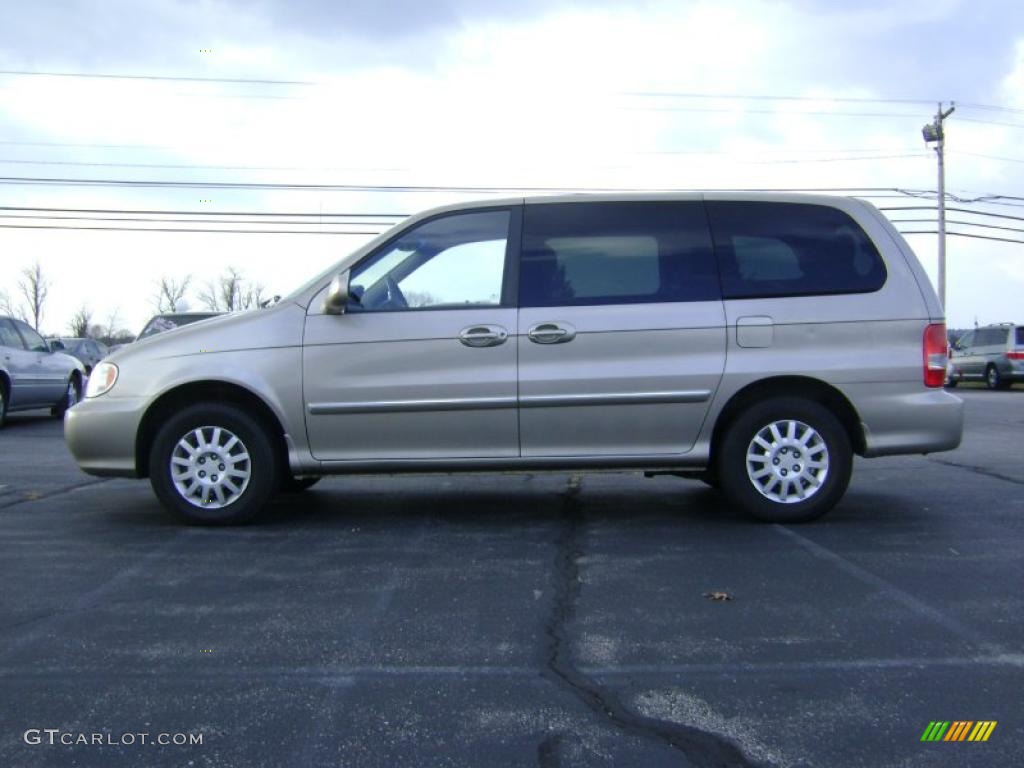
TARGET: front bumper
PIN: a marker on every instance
(101, 433)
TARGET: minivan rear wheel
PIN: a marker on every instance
(213, 464)
(785, 460)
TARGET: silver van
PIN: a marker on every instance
(993, 354)
(756, 342)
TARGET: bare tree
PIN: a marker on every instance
(113, 320)
(170, 293)
(34, 287)
(420, 298)
(231, 292)
(6, 307)
(80, 321)
(252, 297)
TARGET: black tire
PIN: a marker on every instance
(951, 381)
(994, 379)
(298, 484)
(740, 488)
(3, 401)
(262, 465)
(72, 390)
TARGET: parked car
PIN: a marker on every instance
(756, 342)
(32, 375)
(88, 351)
(170, 320)
(993, 354)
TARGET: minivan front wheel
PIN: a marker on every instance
(785, 460)
(213, 464)
(994, 379)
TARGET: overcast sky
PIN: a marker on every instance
(471, 93)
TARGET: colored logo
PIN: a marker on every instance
(958, 730)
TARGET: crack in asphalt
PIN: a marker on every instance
(28, 496)
(978, 470)
(700, 748)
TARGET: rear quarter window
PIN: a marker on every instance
(1019, 341)
(791, 249)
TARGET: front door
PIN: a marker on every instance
(42, 376)
(622, 330)
(422, 365)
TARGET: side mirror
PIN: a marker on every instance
(338, 295)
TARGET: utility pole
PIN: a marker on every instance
(933, 133)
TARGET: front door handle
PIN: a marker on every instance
(483, 336)
(551, 333)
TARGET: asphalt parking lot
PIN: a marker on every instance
(509, 620)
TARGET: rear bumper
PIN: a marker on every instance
(896, 421)
(101, 432)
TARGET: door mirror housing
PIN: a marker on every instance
(338, 295)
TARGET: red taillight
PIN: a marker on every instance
(1015, 355)
(934, 347)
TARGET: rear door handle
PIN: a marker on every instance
(483, 336)
(551, 333)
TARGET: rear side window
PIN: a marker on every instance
(1020, 336)
(791, 249)
(616, 253)
(988, 337)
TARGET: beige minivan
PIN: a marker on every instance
(754, 341)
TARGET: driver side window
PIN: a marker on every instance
(454, 262)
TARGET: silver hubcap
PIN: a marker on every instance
(72, 394)
(210, 467)
(787, 461)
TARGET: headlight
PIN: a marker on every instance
(102, 380)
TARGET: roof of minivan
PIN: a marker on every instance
(638, 196)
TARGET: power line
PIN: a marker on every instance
(175, 220)
(641, 94)
(958, 210)
(989, 122)
(179, 166)
(989, 107)
(965, 234)
(62, 181)
(765, 97)
(204, 213)
(177, 78)
(961, 222)
(58, 181)
(83, 146)
(745, 111)
(184, 229)
(838, 159)
(176, 166)
(987, 157)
